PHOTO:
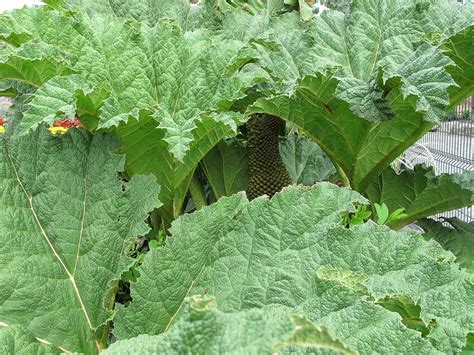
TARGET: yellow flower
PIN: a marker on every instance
(2, 129)
(56, 130)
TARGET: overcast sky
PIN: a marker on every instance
(16, 4)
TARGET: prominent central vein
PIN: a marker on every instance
(48, 241)
(184, 298)
(81, 231)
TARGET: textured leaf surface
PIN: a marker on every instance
(203, 329)
(459, 238)
(451, 26)
(64, 226)
(262, 253)
(11, 88)
(183, 74)
(148, 152)
(305, 162)
(279, 44)
(421, 193)
(16, 340)
(59, 92)
(165, 92)
(189, 15)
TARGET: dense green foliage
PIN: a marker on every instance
(168, 95)
(237, 256)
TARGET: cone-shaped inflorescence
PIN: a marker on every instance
(268, 175)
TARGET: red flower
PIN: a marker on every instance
(65, 123)
(61, 126)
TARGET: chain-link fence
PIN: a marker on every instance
(449, 148)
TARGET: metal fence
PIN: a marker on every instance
(449, 148)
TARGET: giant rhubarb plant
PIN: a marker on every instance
(156, 87)
(284, 272)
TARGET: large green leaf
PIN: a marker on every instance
(421, 193)
(293, 251)
(65, 223)
(253, 331)
(459, 238)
